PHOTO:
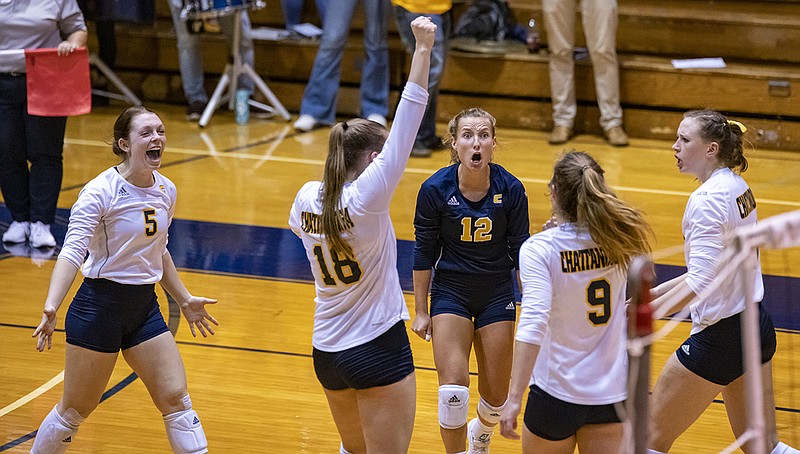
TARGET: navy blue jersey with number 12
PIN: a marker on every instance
(454, 234)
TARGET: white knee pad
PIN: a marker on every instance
(185, 433)
(489, 413)
(56, 431)
(342, 450)
(453, 406)
(783, 448)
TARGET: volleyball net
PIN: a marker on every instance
(774, 241)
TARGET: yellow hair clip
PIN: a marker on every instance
(741, 126)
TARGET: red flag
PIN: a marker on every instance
(58, 86)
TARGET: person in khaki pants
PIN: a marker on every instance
(600, 26)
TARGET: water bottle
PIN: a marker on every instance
(533, 37)
(242, 107)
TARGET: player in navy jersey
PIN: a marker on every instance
(570, 341)
(470, 221)
(121, 219)
(709, 147)
(362, 355)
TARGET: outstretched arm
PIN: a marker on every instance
(424, 32)
(64, 273)
(193, 307)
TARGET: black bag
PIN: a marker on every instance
(486, 20)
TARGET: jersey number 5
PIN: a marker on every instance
(150, 224)
(598, 295)
(348, 271)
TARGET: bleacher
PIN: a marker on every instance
(758, 39)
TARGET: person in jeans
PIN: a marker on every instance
(600, 27)
(191, 61)
(318, 107)
(440, 13)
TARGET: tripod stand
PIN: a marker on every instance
(231, 77)
(127, 94)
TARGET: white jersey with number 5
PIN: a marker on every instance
(358, 300)
(573, 307)
(122, 226)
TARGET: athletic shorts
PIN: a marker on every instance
(554, 420)
(484, 299)
(107, 316)
(715, 353)
(382, 361)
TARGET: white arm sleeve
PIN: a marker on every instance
(708, 217)
(83, 220)
(537, 294)
(378, 182)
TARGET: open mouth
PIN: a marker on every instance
(476, 157)
(154, 154)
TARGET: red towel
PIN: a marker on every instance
(58, 86)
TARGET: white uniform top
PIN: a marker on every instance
(721, 204)
(358, 301)
(123, 227)
(573, 307)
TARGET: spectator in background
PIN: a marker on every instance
(191, 61)
(440, 13)
(31, 193)
(318, 107)
(600, 27)
(293, 12)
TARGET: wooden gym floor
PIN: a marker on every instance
(253, 383)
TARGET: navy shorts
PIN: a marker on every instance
(484, 299)
(382, 361)
(107, 316)
(715, 353)
(554, 420)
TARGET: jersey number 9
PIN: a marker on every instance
(598, 295)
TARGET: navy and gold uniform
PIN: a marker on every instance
(472, 246)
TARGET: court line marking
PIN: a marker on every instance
(319, 162)
(33, 394)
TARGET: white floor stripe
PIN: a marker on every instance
(33, 394)
(320, 162)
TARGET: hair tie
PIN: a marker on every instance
(583, 169)
(344, 125)
(741, 126)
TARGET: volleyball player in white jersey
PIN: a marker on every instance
(121, 219)
(362, 355)
(709, 147)
(572, 326)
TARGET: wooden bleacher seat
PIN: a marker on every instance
(760, 41)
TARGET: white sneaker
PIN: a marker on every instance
(377, 118)
(41, 236)
(306, 123)
(17, 232)
(479, 445)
